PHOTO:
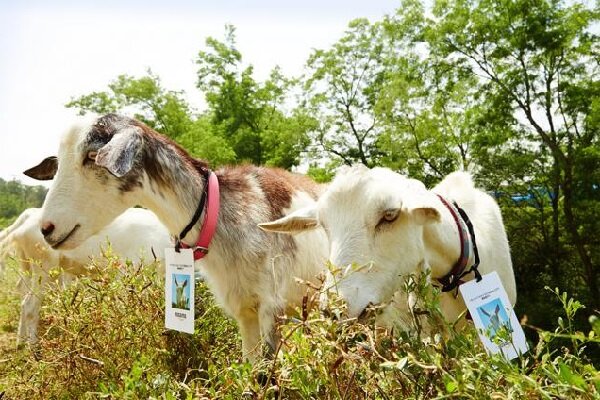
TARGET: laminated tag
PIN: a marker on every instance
(493, 316)
(179, 290)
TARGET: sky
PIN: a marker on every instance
(51, 51)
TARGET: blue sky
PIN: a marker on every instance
(52, 51)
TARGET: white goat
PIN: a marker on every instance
(21, 219)
(391, 226)
(137, 234)
(114, 162)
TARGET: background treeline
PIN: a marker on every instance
(506, 89)
(15, 197)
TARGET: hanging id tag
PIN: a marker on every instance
(179, 290)
(493, 316)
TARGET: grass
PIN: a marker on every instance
(103, 337)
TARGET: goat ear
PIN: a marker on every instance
(45, 170)
(299, 221)
(118, 155)
(422, 211)
(422, 206)
(425, 215)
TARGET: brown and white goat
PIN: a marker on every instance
(115, 162)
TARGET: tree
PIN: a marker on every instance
(540, 60)
(246, 120)
(430, 111)
(250, 115)
(15, 197)
(343, 85)
(163, 110)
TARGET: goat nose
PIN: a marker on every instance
(47, 228)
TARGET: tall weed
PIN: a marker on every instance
(104, 337)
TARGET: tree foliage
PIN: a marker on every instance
(145, 97)
(343, 85)
(250, 115)
(15, 197)
(539, 60)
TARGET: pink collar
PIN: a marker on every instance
(209, 225)
(466, 234)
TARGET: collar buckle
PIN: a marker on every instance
(203, 250)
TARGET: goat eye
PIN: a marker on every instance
(92, 155)
(389, 216)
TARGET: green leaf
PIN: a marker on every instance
(570, 377)
(595, 322)
(400, 364)
(450, 384)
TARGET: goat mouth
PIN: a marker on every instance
(57, 244)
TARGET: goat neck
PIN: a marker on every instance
(173, 185)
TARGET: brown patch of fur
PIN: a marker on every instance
(235, 178)
(278, 190)
(301, 183)
(279, 187)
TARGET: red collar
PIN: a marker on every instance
(452, 279)
(211, 215)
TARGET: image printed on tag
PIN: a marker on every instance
(493, 316)
(179, 290)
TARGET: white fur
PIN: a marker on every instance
(373, 261)
(21, 219)
(133, 235)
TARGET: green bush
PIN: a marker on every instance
(103, 337)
